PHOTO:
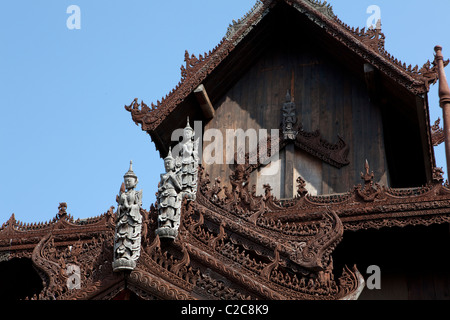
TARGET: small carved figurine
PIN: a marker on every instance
(289, 119)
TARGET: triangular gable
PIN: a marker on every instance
(366, 43)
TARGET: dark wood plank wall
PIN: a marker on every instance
(412, 261)
(327, 96)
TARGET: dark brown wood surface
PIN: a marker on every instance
(328, 97)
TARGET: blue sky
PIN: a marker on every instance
(64, 133)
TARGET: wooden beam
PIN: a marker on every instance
(205, 103)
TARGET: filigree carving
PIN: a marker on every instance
(62, 210)
(301, 187)
(274, 250)
(267, 271)
(437, 133)
(371, 190)
(273, 273)
(312, 255)
(351, 284)
(91, 260)
(323, 7)
(438, 175)
(313, 143)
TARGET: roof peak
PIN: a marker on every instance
(366, 42)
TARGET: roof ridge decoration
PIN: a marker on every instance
(323, 7)
(57, 262)
(62, 218)
(267, 248)
(369, 43)
(235, 25)
(367, 205)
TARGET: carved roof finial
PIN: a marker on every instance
(367, 176)
(62, 210)
(12, 219)
(301, 187)
(378, 26)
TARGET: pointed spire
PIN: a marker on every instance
(378, 26)
(130, 172)
(188, 126)
(12, 219)
(169, 154)
(367, 176)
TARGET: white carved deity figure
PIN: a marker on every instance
(169, 199)
(127, 242)
(189, 162)
(179, 182)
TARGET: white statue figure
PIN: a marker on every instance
(127, 242)
(179, 182)
(189, 162)
(169, 200)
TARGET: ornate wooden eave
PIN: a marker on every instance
(232, 244)
(369, 206)
(25, 236)
(199, 265)
(366, 43)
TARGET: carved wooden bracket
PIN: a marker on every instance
(437, 133)
(313, 143)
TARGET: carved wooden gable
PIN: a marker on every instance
(350, 100)
(334, 122)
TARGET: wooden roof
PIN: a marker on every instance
(218, 69)
(231, 244)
